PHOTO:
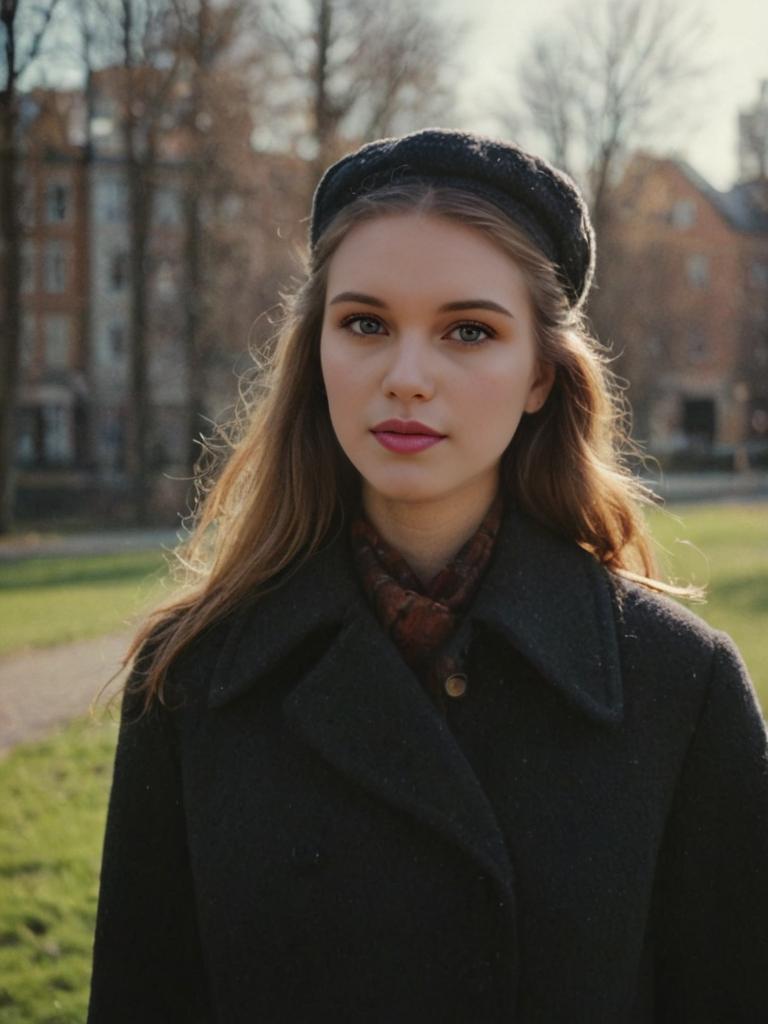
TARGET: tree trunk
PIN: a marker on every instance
(139, 208)
(139, 200)
(195, 185)
(193, 289)
(323, 115)
(10, 320)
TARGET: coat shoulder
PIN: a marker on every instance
(662, 618)
(189, 674)
(667, 644)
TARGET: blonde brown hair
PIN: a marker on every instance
(286, 487)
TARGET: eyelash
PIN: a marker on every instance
(489, 332)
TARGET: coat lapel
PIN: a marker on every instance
(362, 709)
(554, 603)
(360, 706)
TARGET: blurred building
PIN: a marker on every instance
(111, 295)
(53, 400)
(76, 402)
(683, 291)
(688, 309)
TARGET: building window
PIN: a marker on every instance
(758, 422)
(167, 207)
(57, 342)
(111, 201)
(27, 204)
(112, 439)
(118, 271)
(699, 421)
(55, 268)
(697, 268)
(27, 341)
(28, 251)
(116, 339)
(26, 436)
(232, 206)
(698, 347)
(165, 283)
(683, 213)
(56, 203)
(57, 434)
(758, 274)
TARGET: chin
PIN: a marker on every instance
(409, 487)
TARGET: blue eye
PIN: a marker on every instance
(471, 333)
(366, 324)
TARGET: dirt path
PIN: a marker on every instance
(94, 542)
(40, 689)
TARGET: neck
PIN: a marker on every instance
(427, 534)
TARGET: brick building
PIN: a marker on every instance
(687, 307)
(55, 288)
(75, 408)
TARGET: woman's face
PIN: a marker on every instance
(428, 321)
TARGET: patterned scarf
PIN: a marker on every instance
(420, 619)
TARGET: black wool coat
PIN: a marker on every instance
(581, 837)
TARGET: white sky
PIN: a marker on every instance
(737, 53)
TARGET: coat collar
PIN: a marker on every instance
(545, 595)
(363, 711)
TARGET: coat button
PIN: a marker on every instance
(456, 685)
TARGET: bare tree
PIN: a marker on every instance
(92, 37)
(753, 142)
(20, 50)
(613, 73)
(150, 61)
(349, 70)
(216, 44)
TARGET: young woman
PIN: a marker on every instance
(424, 742)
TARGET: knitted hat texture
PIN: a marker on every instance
(543, 201)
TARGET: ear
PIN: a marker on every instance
(540, 387)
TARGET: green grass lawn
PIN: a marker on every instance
(725, 548)
(53, 799)
(47, 601)
(53, 794)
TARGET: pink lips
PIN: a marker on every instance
(406, 436)
(405, 442)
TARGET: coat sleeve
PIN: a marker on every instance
(147, 960)
(712, 912)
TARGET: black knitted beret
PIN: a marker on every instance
(542, 200)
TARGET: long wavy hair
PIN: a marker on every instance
(286, 487)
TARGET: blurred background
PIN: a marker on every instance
(157, 161)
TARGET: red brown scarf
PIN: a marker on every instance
(420, 619)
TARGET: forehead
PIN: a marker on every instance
(406, 251)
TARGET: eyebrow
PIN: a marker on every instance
(448, 307)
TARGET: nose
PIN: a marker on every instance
(409, 373)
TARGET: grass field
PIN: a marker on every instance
(47, 601)
(53, 794)
(725, 548)
(53, 799)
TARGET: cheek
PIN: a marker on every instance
(333, 369)
(343, 387)
(500, 395)
(346, 375)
